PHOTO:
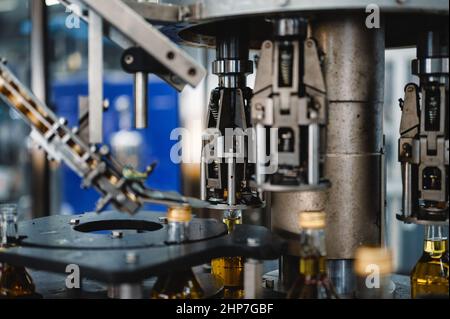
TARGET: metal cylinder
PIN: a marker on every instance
(407, 189)
(354, 71)
(232, 65)
(341, 274)
(125, 291)
(140, 100)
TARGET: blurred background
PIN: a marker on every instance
(28, 179)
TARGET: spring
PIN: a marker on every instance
(286, 67)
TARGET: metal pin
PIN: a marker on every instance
(140, 99)
(313, 154)
(407, 189)
(203, 181)
(231, 182)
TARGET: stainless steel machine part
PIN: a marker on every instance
(120, 186)
(140, 100)
(423, 144)
(354, 71)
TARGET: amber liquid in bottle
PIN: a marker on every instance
(15, 282)
(178, 284)
(312, 281)
(230, 269)
(430, 276)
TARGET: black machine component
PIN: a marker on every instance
(114, 249)
(423, 145)
(226, 169)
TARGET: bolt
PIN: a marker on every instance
(253, 242)
(163, 220)
(106, 104)
(175, 79)
(131, 257)
(121, 198)
(129, 59)
(410, 89)
(309, 43)
(74, 221)
(268, 45)
(116, 234)
(192, 72)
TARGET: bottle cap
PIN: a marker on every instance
(179, 214)
(312, 219)
(367, 258)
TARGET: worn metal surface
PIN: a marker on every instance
(354, 72)
(228, 8)
(403, 19)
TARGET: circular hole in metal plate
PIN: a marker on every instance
(106, 226)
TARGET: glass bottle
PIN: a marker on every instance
(15, 282)
(312, 281)
(230, 269)
(429, 277)
(373, 268)
(178, 284)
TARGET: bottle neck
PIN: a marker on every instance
(312, 242)
(312, 262)
(435, 232)
(232, 218)
(435, 240)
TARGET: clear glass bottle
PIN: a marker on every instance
(15, 282)
(230, 269)
(429, 277)
(178, 284)
(312, 281)
(373, 268)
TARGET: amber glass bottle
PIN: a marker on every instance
(15, 282)
(230, 269)
(312, 281)
(429, 278)
(178, 284)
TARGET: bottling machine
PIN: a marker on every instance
(307, 137)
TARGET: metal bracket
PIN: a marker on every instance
(127, 28)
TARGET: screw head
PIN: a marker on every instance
(129, 59)
(253, 242)
(163, 220)
(116, 234)
(131, 257)
(74, 221)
